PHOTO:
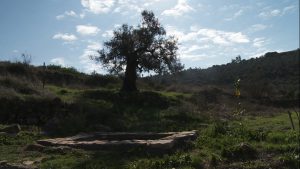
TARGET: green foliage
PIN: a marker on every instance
(143, 99)
(283, 138)
(242, 151)
(221, 145)
(98, 80)
(258, 76)
(70, 104)
(32, 110)
(54, 75)
(177, 160)
(19, 85)
(291, 160)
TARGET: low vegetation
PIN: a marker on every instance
(245, 132)
(245, 143)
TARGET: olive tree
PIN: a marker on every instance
(143, 48)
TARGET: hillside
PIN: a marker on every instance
(274, 76)
(253, 131)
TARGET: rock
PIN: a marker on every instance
(12, 129)
(117, 140)
(35, 147)
(5, 165)
(29, 163)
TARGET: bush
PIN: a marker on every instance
(101, 80)
(31, 111)
(173, 161)
(279, 137)
(242, 151)
(141, 99)
(290, 160)
(19, 85)
(17, 68)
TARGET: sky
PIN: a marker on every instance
(209, 32)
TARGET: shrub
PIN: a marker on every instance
(242, 151)
(141, 99)
(101, 80)
(290, 160)
(173, 161)
(19, 85)
(17, 68)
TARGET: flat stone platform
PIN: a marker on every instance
(123, 140)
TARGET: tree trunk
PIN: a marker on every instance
(129, 82)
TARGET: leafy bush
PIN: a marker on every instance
(31, 111)
(242, 151)
(141, 99)
(290, 160)
(167, 162)
(101, 80)
(19, 85)
(279, 137)
(17, 68)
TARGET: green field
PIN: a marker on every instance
(270, 143)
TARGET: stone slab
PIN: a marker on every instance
(122, 140)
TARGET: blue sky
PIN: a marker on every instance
(209, 32)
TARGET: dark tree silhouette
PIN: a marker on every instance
(144, 48)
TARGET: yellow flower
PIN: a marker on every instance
(237, 93)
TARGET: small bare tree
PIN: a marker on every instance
(26, 58)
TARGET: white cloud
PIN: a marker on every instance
(259, 42)
(258, 27)
(235, 15)
(204, 34)
(108, 34)
(60, 17)
(259, 53)
(229, 7)
(149, 2)
(58, 61)
(91, 50)
(66, 13)
(94, 46)
(125, 6)
(275, 12)
(223, 37)
(65, 37)
(82, 15)
(87, 29)
(193, 57)
(268, 13)
(288, 9)
(194, 48)
(98, 6)
(181, 7)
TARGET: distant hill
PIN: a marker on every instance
(18, 75)
(274, 76)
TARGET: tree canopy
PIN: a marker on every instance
(138, 49)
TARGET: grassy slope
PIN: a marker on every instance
(270, 136)
(84, 107)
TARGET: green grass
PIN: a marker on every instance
(276, 123)
(175, 95)
(276, 147)
(270, 139)
(64, 93)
